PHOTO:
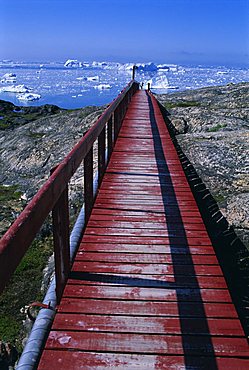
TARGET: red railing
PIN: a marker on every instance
(53, 196)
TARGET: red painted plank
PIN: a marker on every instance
(146, 325)
(144, 232)
(194, 241)
(154, 269)
(145, 294)
(147, 258)
(101, 361)
(170, 345)
(146, 308)
(141, 248)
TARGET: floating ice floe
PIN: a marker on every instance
(73, 63)
(92, 78)
(222, 73)
(9, 78)
(103, 86)
(15, 89)
(28, 96)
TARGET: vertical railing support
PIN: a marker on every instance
(101, 155)
(148, 86)
(116, 123)
(133, 72)
(109, 138)
(88, 184)
(60, 215)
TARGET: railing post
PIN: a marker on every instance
(148, 86)
(60, 215)
(116, 123)
(109, 138)
(88, 184)
(101, 155)
(133, 72)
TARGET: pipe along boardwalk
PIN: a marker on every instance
(145, 289)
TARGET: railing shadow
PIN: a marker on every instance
(205, 341)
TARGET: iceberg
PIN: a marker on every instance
(73, 63)
(103, 86)
(9, 78)
(28, 97)
(161, 82)
(15, 89)
(92, 78)
(150, 67)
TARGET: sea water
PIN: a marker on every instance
(70, 87)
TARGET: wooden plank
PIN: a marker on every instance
(167, 344)
(125, 293)
(114, 239)
(151, 258)
(102, 361)
(153, 269)
(146, 325)
(141, 248)
(144, 232)
(146, 308)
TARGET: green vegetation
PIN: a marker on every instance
(13, 116)
(8, 193)
(217, 127)
(36, 135)
(182, 104)
(219, 198)
(25, 285)
(24, 288)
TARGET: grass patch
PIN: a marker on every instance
(8, 193)
(36, 135)
(217, 127)
(219, 198)
(24, 288)
(182, 104)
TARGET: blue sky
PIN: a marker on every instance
(180, 31)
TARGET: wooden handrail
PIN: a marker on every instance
(53, 194)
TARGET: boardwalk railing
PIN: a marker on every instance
(53, 196)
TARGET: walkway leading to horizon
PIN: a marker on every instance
(146, 290)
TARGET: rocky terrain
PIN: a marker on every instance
(32, 141)
(212, 128)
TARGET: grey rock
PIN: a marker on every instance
(212, 125)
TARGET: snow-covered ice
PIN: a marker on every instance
(28, 96)
(15, 89)
(99, 82)
(9, 78)
(73, 63)
(102, 86)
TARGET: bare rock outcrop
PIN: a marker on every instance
(212, 126)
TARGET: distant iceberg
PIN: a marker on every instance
(9, 78)
(73, 63)
(92, 78)
(15, 89)
(160, 82)
(149, 67)
(140, 67)
(103, 86)
(28, 97)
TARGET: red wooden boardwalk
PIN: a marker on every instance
(146, 290)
